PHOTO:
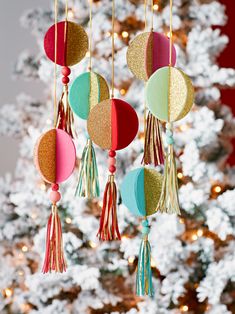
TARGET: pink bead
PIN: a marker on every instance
(66, 71)
(112, 161)
(55, 187)
(112, 153)
(65, 80)
(112, 169)
(55, 196)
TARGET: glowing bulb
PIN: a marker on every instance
(24, 248)
(68, 220)
(181, 220)
(183, 127)
(115, 35)
(200, 232)
(88, 54)
(8, 292)
(180, 175)
(124, 237)
(155, 7)
(153, 264)
(108, 34)
(194, 237)
(168, 34)
(125, 34)
(92, 244)
(43, 186)
(20, 273)
(184, 308)
(131, 260)
(122, 91)
(217, 189)
(70, 13)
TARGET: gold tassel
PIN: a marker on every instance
(169, 202)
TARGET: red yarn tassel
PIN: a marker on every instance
(54, 255)
(109, 230)
(153, 148)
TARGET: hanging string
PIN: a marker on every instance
(90, 41)
(171, 35)
(152, 16)
(113, 18)
(66, 10)
(55, 64)
(145, 107)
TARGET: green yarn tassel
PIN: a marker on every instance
(88, 181)
(144, 284)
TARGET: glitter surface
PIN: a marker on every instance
(77, 44)
(99, 124)
(45, 156)
(104, 88)
(181, 95)
(136, 53)
(94, 90)
(149, 55)
(152, 189)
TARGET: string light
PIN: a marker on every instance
(122, 91)
(68, 220)
(194, 237)
(180, 175)
(24, 248)
(153, 264)
(20, 273)
(71, 13)
(181, 220)
(92, 244)
(155, 7)
(217, 189)
(8, 292)
(43, 186)
(125, 34)
(184, 308)
(200, 232)
(184, 127)
(168, 34)
(131, 260)
(88, 54)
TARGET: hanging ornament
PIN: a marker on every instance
(147, 53)
(140, 192)
(54, 159)
(112, 125)
(67, 48)
(169, 97)
(86, 91)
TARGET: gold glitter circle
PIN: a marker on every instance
(152, 189)
(99, 124)
(136, 56)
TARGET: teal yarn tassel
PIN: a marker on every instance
(88, 181)
(144, 284)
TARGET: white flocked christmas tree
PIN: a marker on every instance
(193, 256)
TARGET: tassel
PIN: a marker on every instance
(144, 284)
(65, 119)
(153, 148)
(169, 202)
(108, 230)
(54, 256)
(88, 182)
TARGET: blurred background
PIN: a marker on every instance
(193, 259)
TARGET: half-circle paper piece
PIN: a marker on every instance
(169, 94)
(149, 52)
(86, 91)
(72, 43)
(55, 156)
(141, 190)
(112, 124)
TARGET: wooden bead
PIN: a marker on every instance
(112, 153)
(65, 80)
(55, 196)
(66, 71)
(112, 161)
(112, 169)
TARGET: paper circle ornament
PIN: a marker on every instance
(147, 53)
(169, 94)
(55, 156)
(86, 91)
(112, 124)
(141, 190)
(72, 43)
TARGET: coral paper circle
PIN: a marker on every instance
(141, 190)
(72, 43)
(112, 124)
(147, 53)
(55, 156)
(86, 91)
(169, 94)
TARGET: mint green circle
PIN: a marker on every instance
(79, 94)
(156, 93)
